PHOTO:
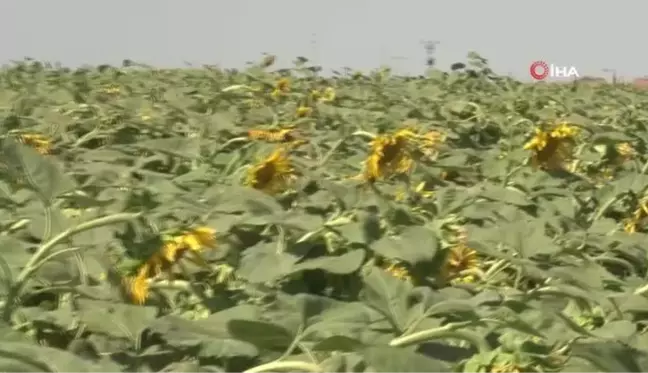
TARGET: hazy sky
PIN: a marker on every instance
(362, 34)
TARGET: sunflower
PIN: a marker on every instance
(389, 156)
(268, 60)
(639, 215)
(508, 367)
(551, 149)
(459, 260)
(326, 95)
(272, 135)
(273, 174)
(171, 251)
(397, 270)
(430, 141)
(111, 89)
(198, 238)
(282, 87)
(419, 192)
(624, 152)
(303, 111)
(40, 143)
(137, 286)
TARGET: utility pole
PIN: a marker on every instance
(614, 74)
(430, 50)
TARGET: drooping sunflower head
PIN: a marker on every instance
(283, 84)
(326, 95)
(193, 240)
(389, 155)
(40, 143)
(303, 111)
(429, 142)
(268, 60)
(273, 174)
(199, 238)
(137, 285)
(552, 148)
(273, 135)
(460, 261)
(282, 87)
(508, 367)
(395, 268)
(624, 152)
(638, 218)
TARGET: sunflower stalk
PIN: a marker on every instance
(44, 250)
(285, 366)
(450, 330)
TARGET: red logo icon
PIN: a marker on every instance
(539, 70)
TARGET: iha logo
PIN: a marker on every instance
(540, 70)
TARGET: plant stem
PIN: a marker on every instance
(283, 366)
(43, 251)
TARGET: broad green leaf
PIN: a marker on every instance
(210, 335)
(339, 264)
(386, 294)
(114, 319)
(414, 245)
(23, 357)
(261, 334)
(506, 195)
(392, 359)
(265, 263)
(609, 357)
(43, 175)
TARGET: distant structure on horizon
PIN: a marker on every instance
(641, 82)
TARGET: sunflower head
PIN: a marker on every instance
(273, 174)
(171, 248)
(282, 87)
(639, 215)
(273, 135)
(460, 259)
(137, 286)
(552, 148)
(508, 367)
(111, 89)
(389, 156)
(268, 60)
(40, 143)
(397, 270)
(198, 238)
(625, 151)
(328, 95)
(303, 111)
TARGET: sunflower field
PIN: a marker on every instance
(267, 220)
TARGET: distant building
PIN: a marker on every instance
(640, 82)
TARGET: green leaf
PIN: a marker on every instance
(177, 146)
(414, 245)
(41, 173)
(506, 195)
(265, 263)
(346, 263)
(340, 319)
(210, 334)
(114, 319)
(391, 359)
(23, 357)
(261, 334)
(338, 343)
(387, 295)
(609, 357)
